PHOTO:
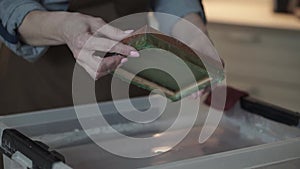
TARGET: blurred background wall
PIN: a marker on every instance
(261, 48)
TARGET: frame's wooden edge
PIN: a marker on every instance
(146, 29)
(136, 79)
(190, 89)
(200, 82)
(125, 75)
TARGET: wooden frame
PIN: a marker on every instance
(148, 37)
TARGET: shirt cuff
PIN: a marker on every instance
(179, 8)
(12, 15)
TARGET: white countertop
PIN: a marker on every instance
(249, 13)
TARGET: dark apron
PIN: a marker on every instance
(47, 83)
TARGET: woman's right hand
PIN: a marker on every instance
(86, 35)
(83, 34)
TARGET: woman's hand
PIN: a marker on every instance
(83, 34)
(86, 35)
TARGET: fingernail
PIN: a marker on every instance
(128, 31)
(134, 54)
(124, 60)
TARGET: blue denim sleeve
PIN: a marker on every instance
(12, 14)
(179, 8)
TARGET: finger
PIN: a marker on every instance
(98, 67)
(91, 64)
(124, 60)
(107, 45)
(113, 32)
(103, 66)
(125, 50)
(91, 72)
(88, 69)
(113, 62)
(86, 57)
(109, 64)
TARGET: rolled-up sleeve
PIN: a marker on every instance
(179, 8)
(12, 14)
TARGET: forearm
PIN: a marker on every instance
(196, 19)
(181, 30)
(43, 28)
